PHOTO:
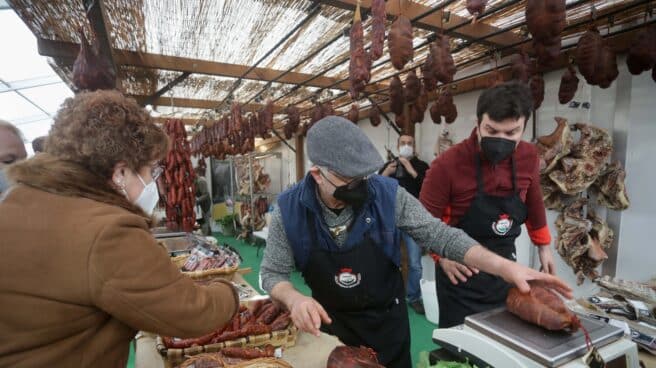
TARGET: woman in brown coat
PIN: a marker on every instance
(80, 272)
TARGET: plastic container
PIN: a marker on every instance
(427, 268)
(429, 296)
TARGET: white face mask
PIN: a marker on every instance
(149, 196)
(406, 151)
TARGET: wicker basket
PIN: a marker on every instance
(223, 272)
(252, 363)
(285, 338)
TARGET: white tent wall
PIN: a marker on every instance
(626, 109)
(634, 132)
(288, 158)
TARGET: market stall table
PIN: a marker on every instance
(308, 352)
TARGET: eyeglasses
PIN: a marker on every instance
(350, 185)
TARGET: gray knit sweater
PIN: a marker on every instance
(411, 217)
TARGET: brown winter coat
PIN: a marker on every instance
(80, 273)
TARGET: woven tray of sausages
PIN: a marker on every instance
(258, 323)
(208, 261)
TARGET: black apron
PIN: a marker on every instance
(362, 291)
(495, 222)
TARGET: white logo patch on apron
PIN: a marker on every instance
(347, 279)
(503, 225)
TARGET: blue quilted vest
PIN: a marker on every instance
(301, 212)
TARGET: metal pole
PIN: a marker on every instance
(252, 189)
(390, 122)
(282, 140)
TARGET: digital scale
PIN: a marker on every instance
(499, 339)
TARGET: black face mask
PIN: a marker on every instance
(355, 195)
(496, 149)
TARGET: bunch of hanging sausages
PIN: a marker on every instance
(262, 317)
(234, 133)
(179, 180)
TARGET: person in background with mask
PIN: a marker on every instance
(12, 149)
(80, 271)
(203, 201)
(488, 186)
(341, 227)
(409, 171)
(38, 144)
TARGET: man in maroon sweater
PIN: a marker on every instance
(488, 185)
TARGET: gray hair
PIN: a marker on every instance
(12, 128)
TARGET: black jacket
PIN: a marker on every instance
(412, 185)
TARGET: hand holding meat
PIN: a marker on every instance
(521, 276)
(546, 259)
(542, 307)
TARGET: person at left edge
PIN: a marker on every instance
(81, 272)
(12, 149)
(341, 228)
(203, 201)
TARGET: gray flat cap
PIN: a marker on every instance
(340, 146)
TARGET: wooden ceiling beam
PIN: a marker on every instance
(434, 22)
(185, 121)
(169, 86)
(198, 104)
(67, 52)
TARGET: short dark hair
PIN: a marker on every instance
(39, 144)
(510, 100)
(401, 135)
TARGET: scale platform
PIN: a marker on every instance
(498, 338)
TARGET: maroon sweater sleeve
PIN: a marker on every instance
(436, 189)
(536, 223)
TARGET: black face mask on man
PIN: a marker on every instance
(497, 149)
(354, 193)
(355, 196)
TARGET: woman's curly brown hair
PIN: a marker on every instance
(99, 129)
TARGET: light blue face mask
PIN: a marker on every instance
(4, 183)
(149, 196)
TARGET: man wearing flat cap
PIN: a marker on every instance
(341, 226)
